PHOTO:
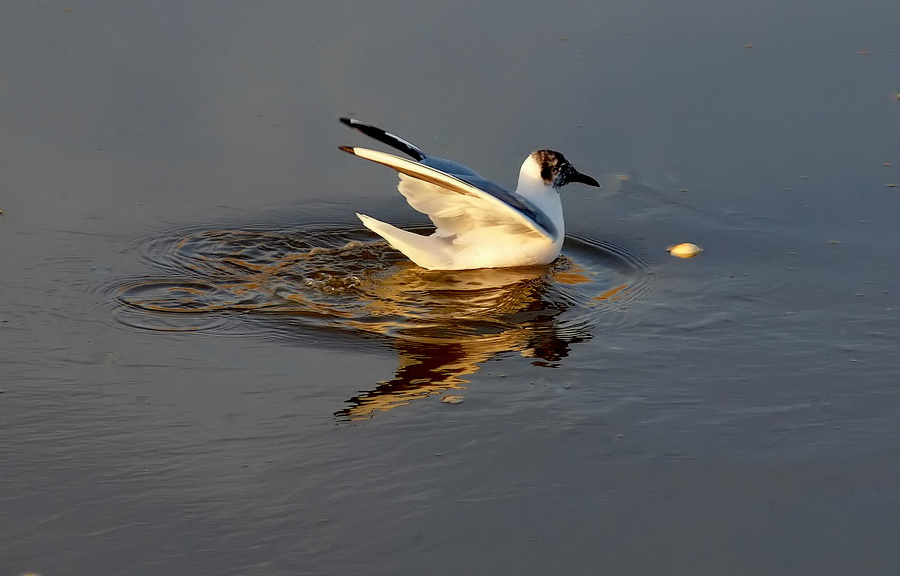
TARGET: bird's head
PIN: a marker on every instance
(550, 168)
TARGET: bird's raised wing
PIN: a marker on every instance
(458, 202)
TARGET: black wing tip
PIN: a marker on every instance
(349, 149)
(385, 137)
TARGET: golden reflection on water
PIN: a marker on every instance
(615, 293)
(453, 323)
(443, 324)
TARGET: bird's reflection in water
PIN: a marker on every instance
(455, 321)
(443, 324)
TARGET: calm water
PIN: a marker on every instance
(208, 367)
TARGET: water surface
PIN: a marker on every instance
(209, 367)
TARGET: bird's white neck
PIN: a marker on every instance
(533, 188)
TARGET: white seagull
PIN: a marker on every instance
(479, 223)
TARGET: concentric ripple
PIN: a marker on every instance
(296, 282)
(351, 280)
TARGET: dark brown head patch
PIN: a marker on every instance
(553, 165)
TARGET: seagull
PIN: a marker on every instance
(479, 224)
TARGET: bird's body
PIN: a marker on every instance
(478, 223)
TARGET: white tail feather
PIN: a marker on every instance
(427, 251)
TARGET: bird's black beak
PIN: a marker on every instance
(573, 175)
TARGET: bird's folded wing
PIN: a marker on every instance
(456, 206)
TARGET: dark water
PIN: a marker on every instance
(207, 366)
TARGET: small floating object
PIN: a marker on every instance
(684, 250)
(452, 399)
